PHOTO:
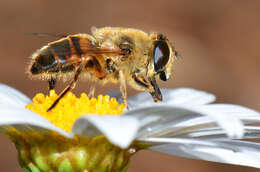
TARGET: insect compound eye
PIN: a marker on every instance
(161, 54)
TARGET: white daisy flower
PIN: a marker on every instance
(184, 125)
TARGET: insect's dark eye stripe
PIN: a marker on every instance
(161, 55)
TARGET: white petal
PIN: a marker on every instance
(243, 113)
(162, 120)
(229, 151)
(235, 130)
(23, 119)
(216, 133)
(180, 96)
(203, 126)
(236, 110)
(252, 132)
(120, 130)
(11, 96)
(211, 133)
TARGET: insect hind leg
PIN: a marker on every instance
(52, 83)
(69, 87)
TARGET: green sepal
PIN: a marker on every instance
(72, 155)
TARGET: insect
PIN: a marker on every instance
(110, 54)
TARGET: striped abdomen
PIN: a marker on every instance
(62, 55)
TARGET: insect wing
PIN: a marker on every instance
(70, 46)
(53, 35)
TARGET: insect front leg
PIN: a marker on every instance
(155, 92)
(140, 83)
(69, 87)
(123, 87)
(150, 86)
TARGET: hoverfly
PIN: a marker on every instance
(110, 54)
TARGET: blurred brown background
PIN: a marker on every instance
(218, 41)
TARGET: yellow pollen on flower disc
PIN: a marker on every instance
(71, 108)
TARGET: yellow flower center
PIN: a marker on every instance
(71, 108)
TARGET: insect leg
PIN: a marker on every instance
(92, 89)
(69, 87)
(150, 86)
(155, 92)
(123, 88)
(52, 83)
(141, 83)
